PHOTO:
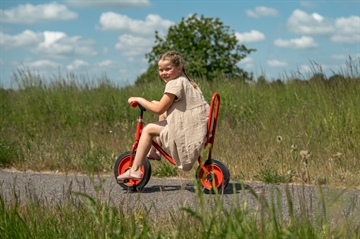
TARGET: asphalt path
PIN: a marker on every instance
(162, 196)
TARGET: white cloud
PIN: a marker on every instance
(302, 23)
(252, 36)
(306, 69)
(27, 38)
(41, 64)
(106, 63)
(120, 4)
(307, 4)
(51, 37)
(76, 65)
(276, 63)
(246, 60)
(262, 12)
(347, 30)
(59, 45)
(340, 30)
(301, 43)
(49, 44)
(131, 45)
(317, 17)
(339, 57)
(247, 63)
(111, 21)
(30, 14)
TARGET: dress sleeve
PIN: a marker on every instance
(174, 87)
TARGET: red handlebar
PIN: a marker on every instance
(134, 104)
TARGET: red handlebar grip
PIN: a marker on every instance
(134, 104)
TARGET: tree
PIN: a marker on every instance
(318, 77)
(209, 47)
(261, 80)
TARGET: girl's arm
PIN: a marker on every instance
(157, 108)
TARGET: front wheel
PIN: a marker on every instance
(122, 164)
(217, 176)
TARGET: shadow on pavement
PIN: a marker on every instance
(232, 188)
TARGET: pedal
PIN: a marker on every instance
(122, 180)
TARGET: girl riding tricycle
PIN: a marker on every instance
(186, 125)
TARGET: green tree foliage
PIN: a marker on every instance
(261, 80)
(318, 77)
(210, 49)
(336, 78)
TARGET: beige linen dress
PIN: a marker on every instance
(185, 127)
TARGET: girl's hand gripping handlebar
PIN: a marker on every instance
(134, 104)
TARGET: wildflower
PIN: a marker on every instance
(279, 138)
(110, 131)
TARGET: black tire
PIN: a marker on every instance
(217, 179)
(122, 164)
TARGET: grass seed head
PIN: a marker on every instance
(337, 155)
(291, 172)
(304, 154)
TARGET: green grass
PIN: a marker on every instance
(9, 152)
(165, 169)
(71, 124)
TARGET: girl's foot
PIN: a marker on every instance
(153, 156)
(130, 175)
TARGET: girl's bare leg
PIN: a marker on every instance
(153, 151)
(149, 131)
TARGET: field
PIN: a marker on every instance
(297, 131)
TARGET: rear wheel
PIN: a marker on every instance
(122, 164)
(217, 176)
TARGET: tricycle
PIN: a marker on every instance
(212, 174)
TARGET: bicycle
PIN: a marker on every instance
(212, 174)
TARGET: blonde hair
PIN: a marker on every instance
(177, 60)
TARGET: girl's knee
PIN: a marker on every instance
(146, 129)
(151, 129)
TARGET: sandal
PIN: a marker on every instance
(128, 175)
(153, 156)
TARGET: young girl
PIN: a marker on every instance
(184, 130)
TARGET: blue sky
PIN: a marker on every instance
(91, 38)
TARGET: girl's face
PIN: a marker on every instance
(168, 71)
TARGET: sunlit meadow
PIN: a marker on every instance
(69, 124)
(303, 130)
